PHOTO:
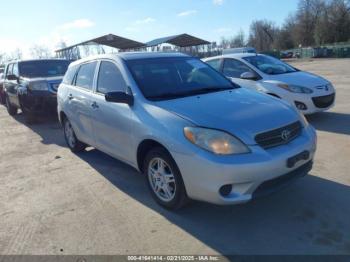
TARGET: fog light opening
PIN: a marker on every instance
(225, 190)
(300, 105)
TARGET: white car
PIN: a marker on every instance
(308, 92)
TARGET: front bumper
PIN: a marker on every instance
(205, 173)
(318, 102)
(272, 185)
(40, 102)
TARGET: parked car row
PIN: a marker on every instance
(2, 92)
(193, 129)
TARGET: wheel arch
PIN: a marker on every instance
(145, 146)
(61, 116)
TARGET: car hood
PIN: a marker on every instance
(47, 79)
(298, 78)
(241, 112)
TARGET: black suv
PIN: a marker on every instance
(2, 94)
(31, 86)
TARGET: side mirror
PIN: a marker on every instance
(12, 77)
(119, 97)
(249, 76)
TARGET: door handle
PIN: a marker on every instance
(94, 105)
(70, 97)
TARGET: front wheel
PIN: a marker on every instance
(2, 99)
(12, 110)
(71, 139)
(164, 179)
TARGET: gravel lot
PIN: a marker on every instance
(55, 202)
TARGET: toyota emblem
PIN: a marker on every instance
(285, 135)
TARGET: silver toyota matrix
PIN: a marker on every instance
(191, 131)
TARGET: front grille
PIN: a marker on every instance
(279, 136)
(324, 101)
(275, 184)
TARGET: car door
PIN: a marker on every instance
(11, 85)
(111, 121)
(234, 68)
(79, 105)
(18, 89)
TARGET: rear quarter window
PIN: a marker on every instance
(215, 63)
(70, 74)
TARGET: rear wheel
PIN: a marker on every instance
(12, 110)
(2, 99)
(71, 139)
(164, 179)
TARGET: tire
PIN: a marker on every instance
(12, 110)
(71, 139)
(164, 179)
(2, 99)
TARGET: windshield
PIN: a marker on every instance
(44, 68)
(170, 78)
(269, 65)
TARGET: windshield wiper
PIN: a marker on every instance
(166, 96)
(208, 90)
(190, 93)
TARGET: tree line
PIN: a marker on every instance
(36, 52)
(314, 23)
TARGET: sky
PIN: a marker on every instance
(28, 23)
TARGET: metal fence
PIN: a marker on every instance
(338, 50)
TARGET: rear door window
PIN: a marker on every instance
(234, 68)
(85, 76)
(215, 63)
(110, 79)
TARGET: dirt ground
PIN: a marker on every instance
(55, 202)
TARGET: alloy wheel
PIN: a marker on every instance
(69, 132)
(162, 179)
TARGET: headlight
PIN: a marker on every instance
(215, 141)
(296, 89)
(38, 86)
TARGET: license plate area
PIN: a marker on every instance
(291, 162)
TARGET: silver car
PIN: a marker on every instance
(192, 132)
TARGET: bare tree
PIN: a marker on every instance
(315, 22)
(263, 34)
(284, 38)
(40, 51)
(237, 40)
(15, 55)
(62, 44)
(339, 20)
(2, 58)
